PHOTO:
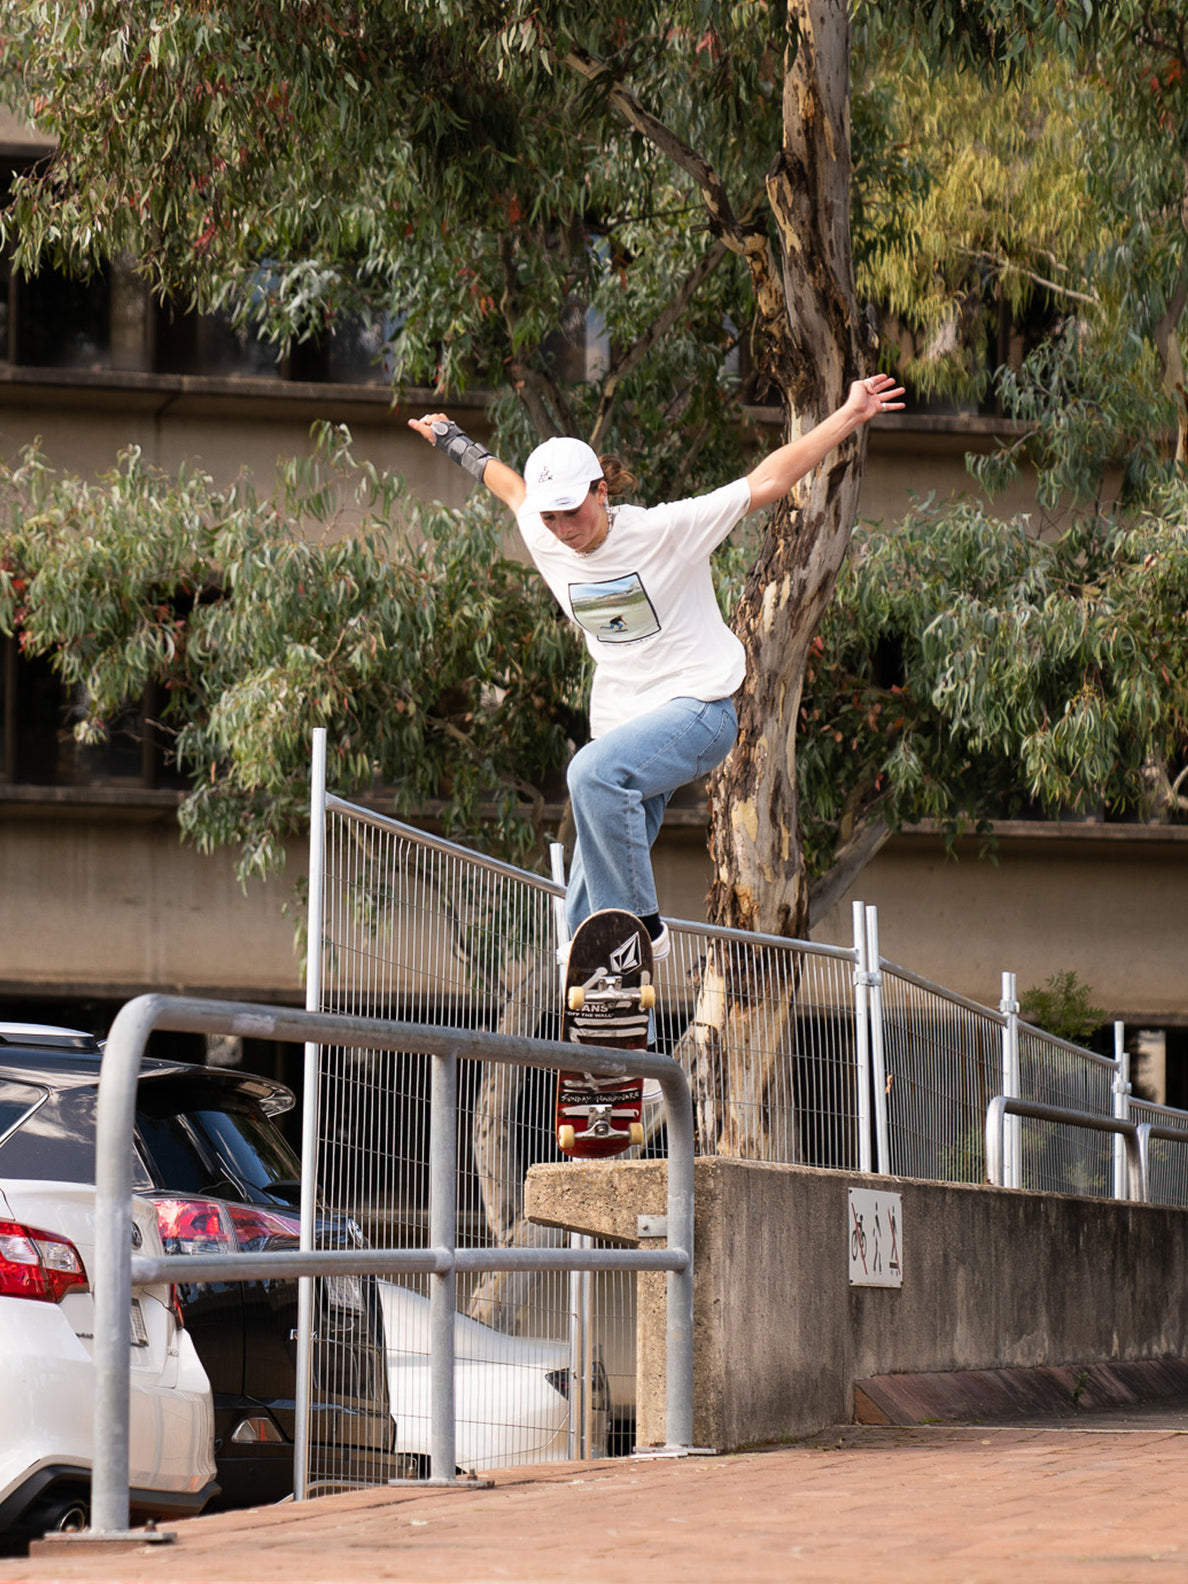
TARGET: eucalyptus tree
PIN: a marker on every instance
(473, 178)
(468, 175)
(969, 670)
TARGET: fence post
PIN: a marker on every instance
(443, 1295)
(862, 1036)
(309, 1112)
(878, 1056)
(581, 1283)
(1121, 1088)
(1012, 1152)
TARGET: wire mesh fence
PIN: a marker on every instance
(1167, 1182)
(785, 1062)
(941, 1063)
(421, 931)
(1054, 1157)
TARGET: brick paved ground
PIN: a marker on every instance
(875, 1505)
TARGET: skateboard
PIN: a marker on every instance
(608, 996)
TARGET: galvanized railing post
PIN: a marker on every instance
(1121, 1092)
(862, 1036)
(443, 1191)
(309, 1112)
(874, 964)
(1132, 1136)
(112, 1275)
(678, 1109)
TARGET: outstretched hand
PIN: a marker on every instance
(877, 394)
(424, 428)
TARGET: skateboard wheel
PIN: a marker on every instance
(637, 1133)
(577, 998)
(566, 1136)
(647, 997)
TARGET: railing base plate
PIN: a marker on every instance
(93, 1540)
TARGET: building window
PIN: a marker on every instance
(39, 748)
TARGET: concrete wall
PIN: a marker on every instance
(110, 903)
(991, 1279)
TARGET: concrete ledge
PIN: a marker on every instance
(993, 1280)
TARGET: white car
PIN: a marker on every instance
(47, 1378)
(511, 1394)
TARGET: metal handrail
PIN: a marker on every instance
(1002, 1106)
(116, 1267)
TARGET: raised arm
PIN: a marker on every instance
(503, 482)
(782, 468)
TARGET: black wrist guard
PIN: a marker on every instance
(459, 447)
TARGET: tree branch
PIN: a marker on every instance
(717, 202)
(1091, 300)
(850, 860)
(739, 236)
(655, 332)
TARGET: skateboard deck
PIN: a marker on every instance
(608, 996)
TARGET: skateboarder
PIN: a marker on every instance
(637, 582)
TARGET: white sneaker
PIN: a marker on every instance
(661, 947)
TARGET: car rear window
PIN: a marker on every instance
(231, 1151)
(53, 1140)
(18, 1101)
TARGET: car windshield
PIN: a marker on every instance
(231, 1153)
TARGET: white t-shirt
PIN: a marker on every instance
(645, 602)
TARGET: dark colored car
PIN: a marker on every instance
(223, 1177)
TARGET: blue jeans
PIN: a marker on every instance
(619, 787)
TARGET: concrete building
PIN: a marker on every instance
(101, 899)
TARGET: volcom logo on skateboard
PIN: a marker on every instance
(626, 957)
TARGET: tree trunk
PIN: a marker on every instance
(500, 1295)
(741, 1043)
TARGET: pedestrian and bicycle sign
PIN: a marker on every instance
(874, 1236)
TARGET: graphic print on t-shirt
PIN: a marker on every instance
(617, 611)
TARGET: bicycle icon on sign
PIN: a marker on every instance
(858, 1240)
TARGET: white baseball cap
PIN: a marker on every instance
(559, 474)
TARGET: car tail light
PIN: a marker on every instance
(257, 1228)
(35, 1264)
(209, 1226)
